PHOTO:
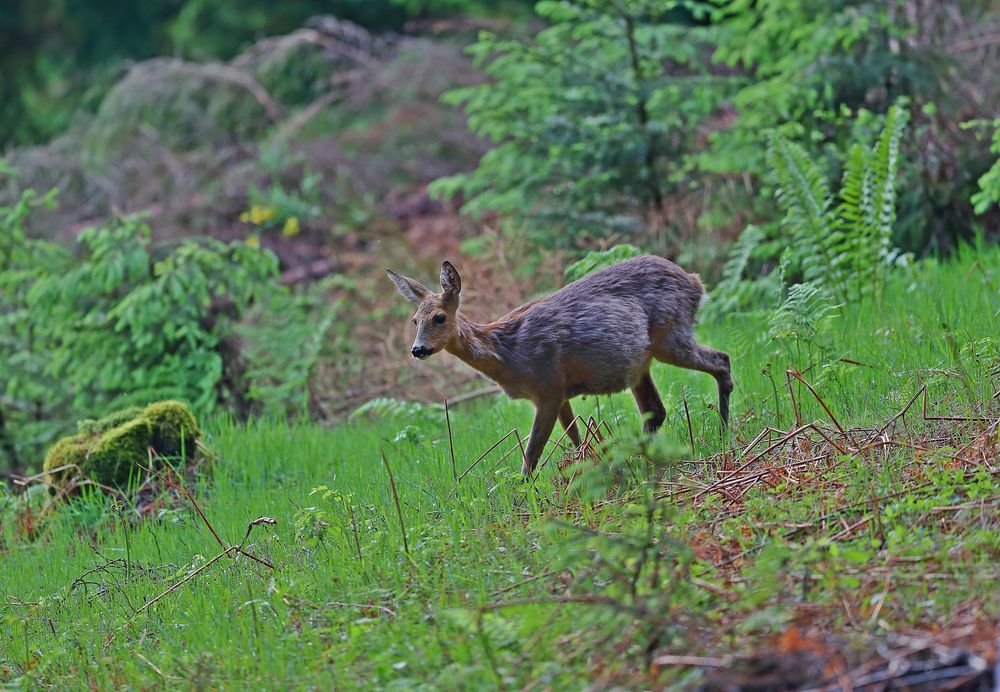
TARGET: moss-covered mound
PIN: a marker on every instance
(107, 449)
(67, 452)
(112, 420)
(175, 430)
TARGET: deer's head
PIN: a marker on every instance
(435, 315)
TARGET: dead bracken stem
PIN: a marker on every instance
(451, 442)
(484, 454)
(797, 375)
(227, 552)
(183, 491)
(791, 395)
(395, 498)
(687, 415)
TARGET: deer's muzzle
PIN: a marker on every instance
(421, 352)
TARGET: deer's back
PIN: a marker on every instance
(594, 334)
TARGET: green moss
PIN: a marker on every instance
(112, 420)
(115, 452)
(68, 450)
(107, 449)
(174, 428)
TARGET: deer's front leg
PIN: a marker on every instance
(546, 415)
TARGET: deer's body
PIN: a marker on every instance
(598, 335)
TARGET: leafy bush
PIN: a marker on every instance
(989, 183)
(121, 321)
(590, 119)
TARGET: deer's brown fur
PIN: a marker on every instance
(597, 335)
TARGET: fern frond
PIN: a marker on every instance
(885, 165)
(739, 254)
(857, 217)
(804, 196)
(867, 209)
(799, 317)
(732, 291)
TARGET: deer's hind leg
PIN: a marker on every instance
(568, 421)
(681, 349)
(650, 404)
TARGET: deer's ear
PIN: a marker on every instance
(411, 289)
(451, 282)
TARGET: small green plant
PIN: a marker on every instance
(737, 289)
(278, 205)
(122, 324)
(800, 316)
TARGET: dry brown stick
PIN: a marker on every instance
(24, 480)
(687, 415)
(395, 497)
(850, 529)
(150, 664)
(797, 375)
(880, 431)
(189, 496)
(520, 443)
(824, 436)
(923, 411)
(475, 394)
(587, 599)
(753, 443)
(526, 581)
(791, 394)
(211, 528)
(565, 434)
(483, 455)
(385, 609)
(976, 504)
(451, 441)
(697, 661)
(753, 459)
(183, 581)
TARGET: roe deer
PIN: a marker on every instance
(597, 335)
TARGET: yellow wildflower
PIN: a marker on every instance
(291, 227)
(259, 214)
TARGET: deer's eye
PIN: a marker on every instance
(414, 321)
(439, 319)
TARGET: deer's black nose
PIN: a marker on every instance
(420, 351)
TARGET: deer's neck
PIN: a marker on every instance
(479, 347)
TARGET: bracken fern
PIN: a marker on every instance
(843, 248)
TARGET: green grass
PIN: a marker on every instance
(474, 603)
